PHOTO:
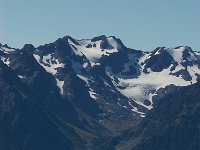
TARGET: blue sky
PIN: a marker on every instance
(140, 24)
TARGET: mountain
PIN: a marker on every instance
(25, 123)
(85, 92)
(174, 124)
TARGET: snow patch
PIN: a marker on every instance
(139, 89)
(60, 85)
(92, 94)
(193, 70)
(5, 61)
(21, 77)
(51, 65)
(113, 42)
(95, 53)
(48, 63)
(7, 50)
(134, 109)
(177, 54)
(85, 79)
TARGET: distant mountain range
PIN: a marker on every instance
(98, 94)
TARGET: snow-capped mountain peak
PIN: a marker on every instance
(107, 71)
(97, 47)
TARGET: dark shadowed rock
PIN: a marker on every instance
(158, 62)
(94, 45)
(67, 38)
(184, 74)
(89, 46)
(29, 48)
(105, 44)
(24, 118)
(98, 38)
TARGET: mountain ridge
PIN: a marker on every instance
(85, 55)
(94, 89)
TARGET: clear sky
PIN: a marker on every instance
(140, 24)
